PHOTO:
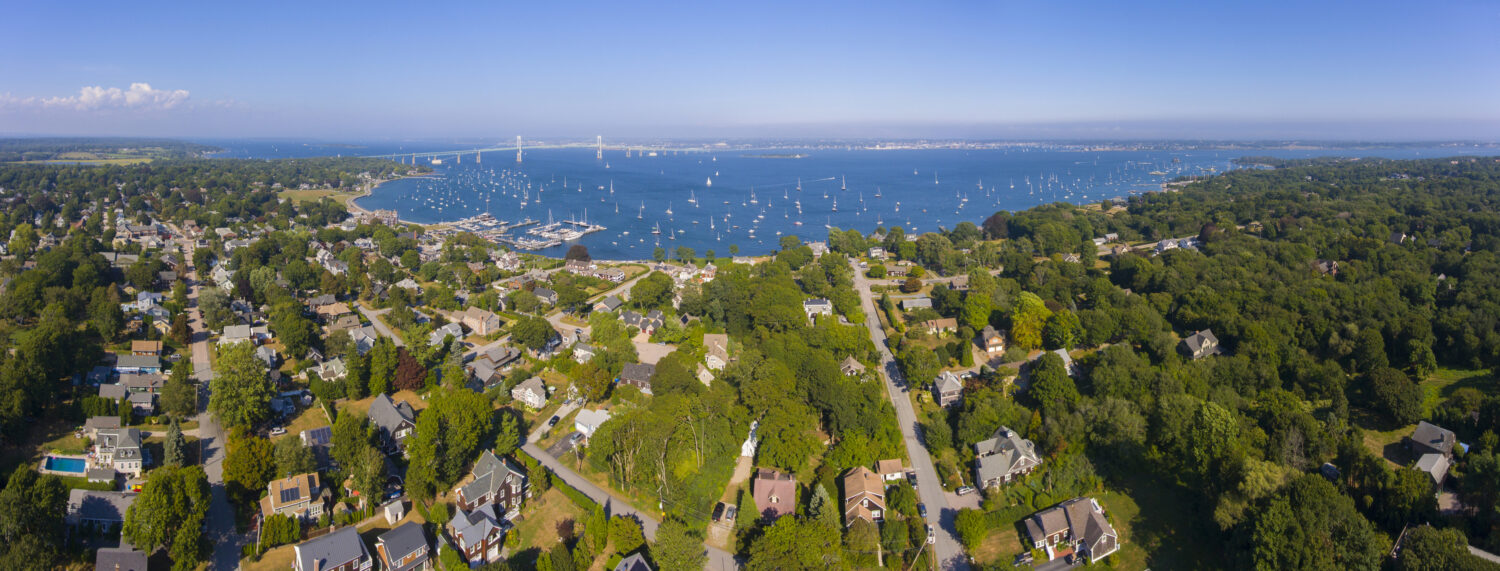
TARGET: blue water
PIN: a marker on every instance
(74, 465)
(920, 190)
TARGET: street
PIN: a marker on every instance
(940, 514)
(221, 532)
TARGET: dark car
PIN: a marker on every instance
(922, 510)
(553, 422)
(718, 511)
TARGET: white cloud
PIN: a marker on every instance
(139, 96)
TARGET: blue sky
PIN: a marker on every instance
(1000, 69)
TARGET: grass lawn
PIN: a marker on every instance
(1000, 546)
(1445, 382)
(1159, 527)
(311, 417)
(65, 444)
(315, 195)
(545, 517)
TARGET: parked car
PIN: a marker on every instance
(575, 437)
(553, 422)
(922, 510)
(730, 512)
(277, 431)
(931, 535)
(912, 477)
(1023, 559)
(965, 490)
(718, 511)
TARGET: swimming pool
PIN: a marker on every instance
(57, 464)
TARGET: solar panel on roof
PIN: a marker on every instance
(290, 494)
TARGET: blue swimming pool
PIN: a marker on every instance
(75, 465)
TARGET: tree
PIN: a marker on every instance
(242, 393)
(296, 333)
(918, 364)
(32, 507)
(972, 527)
(533, 332)
(1293, 529)
(659, 254)
(248, 468)
(410, 375)
(383, 362)
(976, 312)
(678, 546)
(23, 240)
(626, 533)
(863, 541)
(652, 292)
(293, 457)
(179, 396)
(578, 252)
(279, 529)
(174, 499)
(180, 332)
(508, 437)
(106, 316)
(174, 450)
(1050, 384)
(447, 438)
(1395, 395)
(794, 544)
(822, 508)
(902, 498)
(351, 434)
(1061, 331)
(912, 284)
(1427, 548)
(1027, 319)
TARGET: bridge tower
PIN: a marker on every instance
(518, 148)
(478, 157)
(458, 158)
(600, 153)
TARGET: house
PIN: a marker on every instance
(94, 424)
(916, 303)
(498, 482)
(1430, 438)
(1078, 524)
(364, 338)
(393, 421)
(119, 448)
(818, 306)
(330, 311)
(138, 364)
(877, 253)
(636, 562)
(332, 369)
(113, 392)
(319, 440)
(143, 404)
(508, 261)
(775, 493)
(142, 383)
(145, 348)
(530, 392)
(298, 496)
(1435, 466)
(647, 323)
(441, 334)
(587, 421)
(393, 511)
(938, 326)
(947, 389)
(864, 496)
(818, 248)
(545, 295)
(341, 550)
(609, 304)
(583, 352)
(235, 334)
(408, 284)
(320, 301)
(851, 367)
(267, 355)
(992, 340)
(479, 534)
(638, 375)
(1003, 458)
(1200, 344)
(481, 322)
(717, 345)
(119, 559)
(346, 322)
(890, 470)
(404, 548)
(98, 510)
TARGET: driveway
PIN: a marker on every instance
(940, 514)
(374, 316)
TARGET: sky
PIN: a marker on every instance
(1370, 70)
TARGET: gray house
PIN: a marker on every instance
(1003, 458)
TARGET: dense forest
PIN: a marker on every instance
(46, 149)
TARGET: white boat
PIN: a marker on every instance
(709, 182)
(642, 213)
(799, 184)
(669, 209)
(752, 196)
(842, 185)
(692, 198)
(656, 229)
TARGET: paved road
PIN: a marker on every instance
(566, 329)
(374, 316)
(221, 532)
(939, 513)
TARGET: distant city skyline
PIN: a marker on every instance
(980, 70)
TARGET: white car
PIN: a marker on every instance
(931, 535)
(278, 431)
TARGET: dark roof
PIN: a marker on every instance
(1433, 437)
(319, 435)
(388, 415)
(331, 550)
(638, 372)
(406, 539)
(99, 506)
(636, 562)
(119, 559)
